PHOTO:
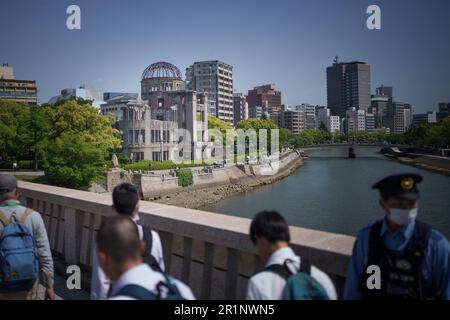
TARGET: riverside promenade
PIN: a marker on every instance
(210, 252)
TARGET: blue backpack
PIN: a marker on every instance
(19, 263)
(165, 290)
(300, 285)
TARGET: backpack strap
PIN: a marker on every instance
(137, 292)
(283, 270)
(418, 244)
(305, 266)
(25, 215)
(4, 219)
(147, 256)
(148, 239)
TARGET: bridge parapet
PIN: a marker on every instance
(210, 252)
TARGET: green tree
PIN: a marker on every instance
(13, 132)
(285, 137)
(77, 143)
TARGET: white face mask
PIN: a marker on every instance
(402, 217)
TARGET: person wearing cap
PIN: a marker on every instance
(413, 259)
(10, 205)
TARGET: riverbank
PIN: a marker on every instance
(427, 162)
(204, 196)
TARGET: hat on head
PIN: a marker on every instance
(8, 183)
(399, 185)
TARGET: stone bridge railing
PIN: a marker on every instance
(210, 252)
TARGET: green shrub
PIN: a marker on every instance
(161, 165)
(185, 177)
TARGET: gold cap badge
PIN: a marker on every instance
(407, 183)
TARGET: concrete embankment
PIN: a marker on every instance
(202, 196)
(427, 162)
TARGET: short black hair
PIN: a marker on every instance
(118, 237)
(125, 198)
(270, 225)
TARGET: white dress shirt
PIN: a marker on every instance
(267, 285)
(142, 275)
(100, 282)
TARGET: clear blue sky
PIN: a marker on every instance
(289, 43)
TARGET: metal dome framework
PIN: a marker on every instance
(161, 69)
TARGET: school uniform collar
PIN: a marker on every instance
(132, 276)
(406, 231)
(279, 256)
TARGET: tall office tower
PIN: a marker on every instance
(240, 108)
(216, 78)
(394, 117)
(385, 91)
(348, 86)
(265, 96)
(16, 90)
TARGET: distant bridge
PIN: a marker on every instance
(347, 144)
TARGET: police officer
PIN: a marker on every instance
(413, 258)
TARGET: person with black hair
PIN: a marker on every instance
(126, 202)
(270, 234)
(119, 253)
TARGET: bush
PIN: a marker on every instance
(185, 177)
(161, 165)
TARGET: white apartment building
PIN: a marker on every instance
(216, 78)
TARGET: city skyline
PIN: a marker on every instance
(292, 52)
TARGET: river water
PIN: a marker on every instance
(333, 193)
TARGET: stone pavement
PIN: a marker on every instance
(62, 292)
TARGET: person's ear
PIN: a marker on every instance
(102, 259)
(383, 204)
(143, 246)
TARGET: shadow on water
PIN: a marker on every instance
(333, 193)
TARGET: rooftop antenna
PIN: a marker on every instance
(336, 60)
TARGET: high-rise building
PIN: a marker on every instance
(444, 111)
(310, 115)
(216, 78)
(265, 96)
(16, 90)
(322, 114)
(240, 108)
(257, 112)
(293, 120)
(385, 91)
(370, 122)
(379, 101)
(394, 117)
(408, 116)
(348, 86)
(421, 118)
(333, 124)
(355, 120)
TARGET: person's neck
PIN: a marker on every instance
(275, 247)
(124, 267)
(8, 200)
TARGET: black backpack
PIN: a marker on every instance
(147, 257)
